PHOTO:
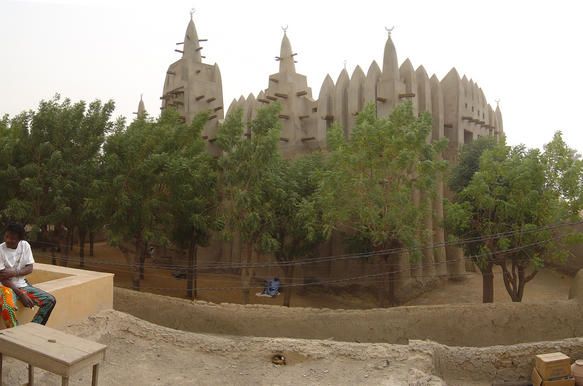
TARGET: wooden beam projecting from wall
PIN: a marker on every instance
(308, 139)
(218, 108)
(180, 51)
(170, 72)
(284, 139)
(284, 116)
(281, 95)
(381, 99)
(271, 98)
(199, 97)
(304, 116)
(212, 117)
(301, 93)
(407, 95)
(211, 99)
(262, 100)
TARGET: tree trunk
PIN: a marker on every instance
(488, 284)
(53, 254)
(136, 264)
(143, 260)
(82, 235)
(516, 280)
(383, 286)
(91, 242)
(67, 244)
(246, 273)
(394, 276)
(287, 294)
(191, 274)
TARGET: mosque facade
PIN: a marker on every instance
(458, 106)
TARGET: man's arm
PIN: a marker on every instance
(23, 296)
(7, 273)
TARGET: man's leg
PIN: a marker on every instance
(8, 307)
(44, 300)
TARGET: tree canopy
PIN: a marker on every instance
(511, 208)
(368, 187)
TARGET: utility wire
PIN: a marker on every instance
(352, 278)
(309, 261)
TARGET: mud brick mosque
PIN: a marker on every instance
(458, 107)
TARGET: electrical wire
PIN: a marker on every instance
(309, 261)
(352, 278)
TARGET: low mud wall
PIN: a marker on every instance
(492, 364)
(455, 325)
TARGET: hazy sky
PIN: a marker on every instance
(528, 54)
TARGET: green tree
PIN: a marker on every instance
(132, 194)
(299, 226)
(510, 208)
(367, 190)
(469, 162)
(461, 175)
(191, 181)
(48, 163)
(251, 174)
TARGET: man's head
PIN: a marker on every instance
(13, 234)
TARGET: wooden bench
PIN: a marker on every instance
(51, 350)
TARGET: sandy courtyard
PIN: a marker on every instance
(141, 353)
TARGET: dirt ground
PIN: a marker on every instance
(141, 353)
(547, 285)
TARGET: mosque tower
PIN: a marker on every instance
(291, 91)
(141, 113)
(191, 86)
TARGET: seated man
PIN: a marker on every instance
(270, 288)
(273, 287)
(15, 263)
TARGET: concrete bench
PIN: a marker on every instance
(79, 293)
(50, 350)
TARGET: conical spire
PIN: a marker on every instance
(390, 64)
(191, 44)
(286, 56)
(141, 108)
